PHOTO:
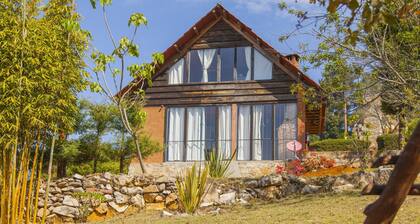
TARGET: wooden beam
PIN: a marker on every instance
(374, 189)
(385, 208)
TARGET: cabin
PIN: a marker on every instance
(223, 88)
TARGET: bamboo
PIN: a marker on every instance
(49, 176)
(31, 180)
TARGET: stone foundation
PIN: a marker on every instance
(237, 169)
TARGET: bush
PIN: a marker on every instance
(218, 166)
(87, 168)
(341, 145)
(192, 188)
(387, 142)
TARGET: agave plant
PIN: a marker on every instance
(192, 188)
(217, 164)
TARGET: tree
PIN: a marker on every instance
(41, 71)
(132, 96)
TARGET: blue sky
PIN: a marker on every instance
(169, 19)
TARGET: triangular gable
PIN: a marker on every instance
(217, 15)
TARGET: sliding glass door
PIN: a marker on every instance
(197, 132)
(264, 130)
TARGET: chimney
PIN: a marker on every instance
(294, 59)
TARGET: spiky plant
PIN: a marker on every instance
(217, 164)
(192, 188)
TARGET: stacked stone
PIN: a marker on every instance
(69, 199)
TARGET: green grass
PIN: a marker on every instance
(344, 208)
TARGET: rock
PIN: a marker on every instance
(165, 214)
(124, 180)
(70, 201)
(227, 198)
(108, 187)
(162, 187)
(206, 204)
(118, 208)
(40, 212)
(243, 202)
(78, 190)
(132, 190)
(150, 197)
(252, 184)
(62, 184)
(215, 211)
(108, 197)
(67, 189)
(159, 198)
(66, 211)
(155, 206)
(94, 202)
(340, 181)
(91, 189)
(138, 201)
(78, 176)
(102, 209)
(341, 188)
(166, 192)
(172, 206)
(272, 180)
(151, 189)
(105, 191)
(88, 184)
(107, 175)
(120, 198)
(270, 192)
(310, 189)
(171, 198)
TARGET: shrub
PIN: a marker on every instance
(315, 162)
(387, 142)
(218, 166)
(192, 188)
(82, 169)
(87, 168)
(341, 145)
(295, 167)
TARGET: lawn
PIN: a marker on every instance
(344, 208)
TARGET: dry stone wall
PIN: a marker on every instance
(101, 196)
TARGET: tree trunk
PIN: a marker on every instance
(139, 157)
(122, 153)
(400, 183)
(61, 168)
(345, 118)
(95, 154)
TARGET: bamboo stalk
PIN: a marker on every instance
(31, 180)
(38, 184)
(49, 176)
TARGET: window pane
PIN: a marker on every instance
(262, 132)
(244, 127)
(243, 63)
(212, 70)
(175, 133)
(210, 128)
(263, 68)
(285, 129)
(225, 131)
(195, 133)
(196, 69)
(227, 63)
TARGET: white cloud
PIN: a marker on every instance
(264, 6)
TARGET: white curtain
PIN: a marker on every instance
(225, 131)
(257, 128)
(289, 127)
(262, 67)
(248, 51)
(196, 133)
(244, 133)
(176, 72)
(206, 58)
(175, 134)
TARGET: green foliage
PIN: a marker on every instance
(218, 166)
(340, 145)
(387, 142)
(192, 188)
(410, 128)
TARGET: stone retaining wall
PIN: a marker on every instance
(101, 196)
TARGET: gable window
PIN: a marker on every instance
(264, 130)
(243, 65)
(192, 132)
(221, 65)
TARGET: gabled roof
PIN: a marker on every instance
(215, 14)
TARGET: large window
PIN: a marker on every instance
(221, 65)
(194, 131)
(264, 130)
